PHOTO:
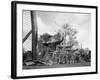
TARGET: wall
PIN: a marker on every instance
(5, 40)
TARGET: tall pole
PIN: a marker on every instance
(34, 35)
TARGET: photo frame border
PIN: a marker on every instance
(14, 38)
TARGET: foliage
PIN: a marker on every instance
(69, 32)
(45, 37)
(57, 36)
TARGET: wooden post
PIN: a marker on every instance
(34, 35)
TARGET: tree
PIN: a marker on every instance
(45, 37)
(69, 32)
(57, 36)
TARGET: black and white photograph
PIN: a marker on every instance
(56, 39)
(53, 39)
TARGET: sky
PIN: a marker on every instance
(51, 22)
